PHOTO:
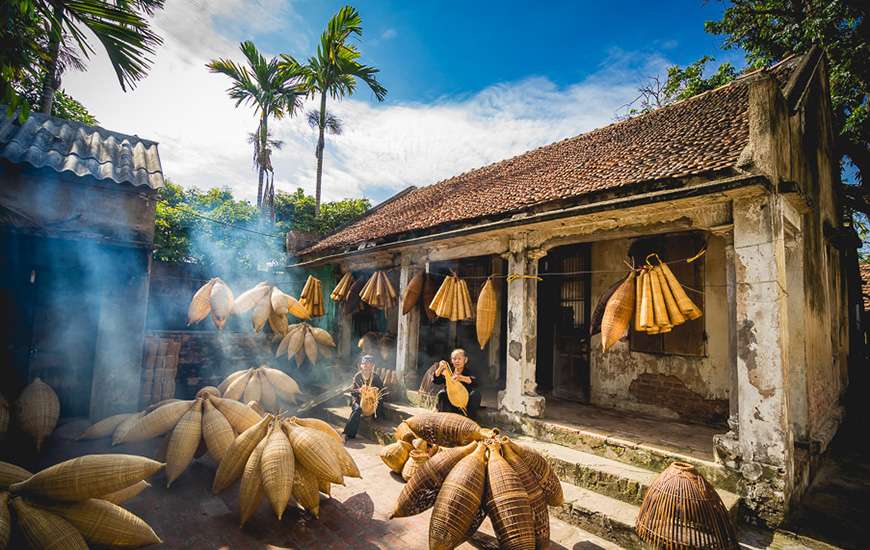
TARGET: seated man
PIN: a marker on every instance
(461, 373)
(365, 377)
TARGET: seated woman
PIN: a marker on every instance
(461, 373)
(365, 377)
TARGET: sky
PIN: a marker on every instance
(469, 83)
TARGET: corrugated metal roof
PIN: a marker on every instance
(68, 146)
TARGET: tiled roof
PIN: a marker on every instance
(67, 146)
(864, 267)
(700, 135)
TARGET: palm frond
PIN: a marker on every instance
(332, 124)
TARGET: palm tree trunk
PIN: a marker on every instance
(52, 80)
(319, 153)
(261, 168)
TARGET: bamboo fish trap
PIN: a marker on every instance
(311, 297)
(452, 301)
(342, 289)
(487, 307)
(457, 393)
(37, 410)
(681, 511)
(378, 292)
(464, 484)
(413, 293)
(75, 503)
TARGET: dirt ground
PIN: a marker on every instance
(356, 517)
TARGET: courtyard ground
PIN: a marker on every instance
(188, 515)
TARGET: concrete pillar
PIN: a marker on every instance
(408, 331)
(519, 395)
(797, 370)
(117, 371)
(494, 346)
(765, 436)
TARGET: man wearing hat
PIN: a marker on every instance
(366, 376)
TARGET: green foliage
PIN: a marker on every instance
(183, 234)
(65, 106)
(686, 82)
(769, 30)
(296, 211)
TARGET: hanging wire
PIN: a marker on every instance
(223, 223)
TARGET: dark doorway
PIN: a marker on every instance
(563, 331)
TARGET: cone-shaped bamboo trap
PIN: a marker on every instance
(76, 503)
(491, 476)
(681, 511)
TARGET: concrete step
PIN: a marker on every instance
(608, 476)
(599, 514)
(643, 455)
(612, 478)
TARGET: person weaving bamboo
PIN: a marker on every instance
(462, 374)
(365, 377)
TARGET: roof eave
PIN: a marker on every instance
(715, 186)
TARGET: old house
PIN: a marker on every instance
(76, 231)
(744, 172)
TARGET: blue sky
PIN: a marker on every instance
(469, 83)
(431, 49)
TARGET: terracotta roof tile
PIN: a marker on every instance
(699, 135)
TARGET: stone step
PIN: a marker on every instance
(599, 514)
(605, 476)
(646, 456)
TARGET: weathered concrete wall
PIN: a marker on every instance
(79, 206)
(673, 386)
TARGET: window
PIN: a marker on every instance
(689, 338)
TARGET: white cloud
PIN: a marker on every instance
(385, 147)
(389, 34)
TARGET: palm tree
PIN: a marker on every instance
(272, 93)
(120, 25)
(263, 159)
(333, 71)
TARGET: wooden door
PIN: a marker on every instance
(565, 317)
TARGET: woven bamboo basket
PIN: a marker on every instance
(183, 442)
(404, 433)
(10, 473)
(508, 504)
(157, 422)
(101, 522)
(251, 487)
(320, 426)
(681, 511)
(123, 495)
(105, 427)
(37, 410)
(487, 306)
(539, 466)
(254, 388)
(232, 377)
(395, 455)
(221, 299)
(5, 520)
(306, 490)
(415, 461)
(216, 431)
(458, 501)
(89, 476)
(285, 387)
(240, 416)
(419, 494)
(237, 455)
(200, 305)
(43, 529)
(277, 466)
(540, 512)
(457, 393)
(445, 429)
(412, 293)
(312, 450)
(250, 298)
(617, 313)
(236, 389)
